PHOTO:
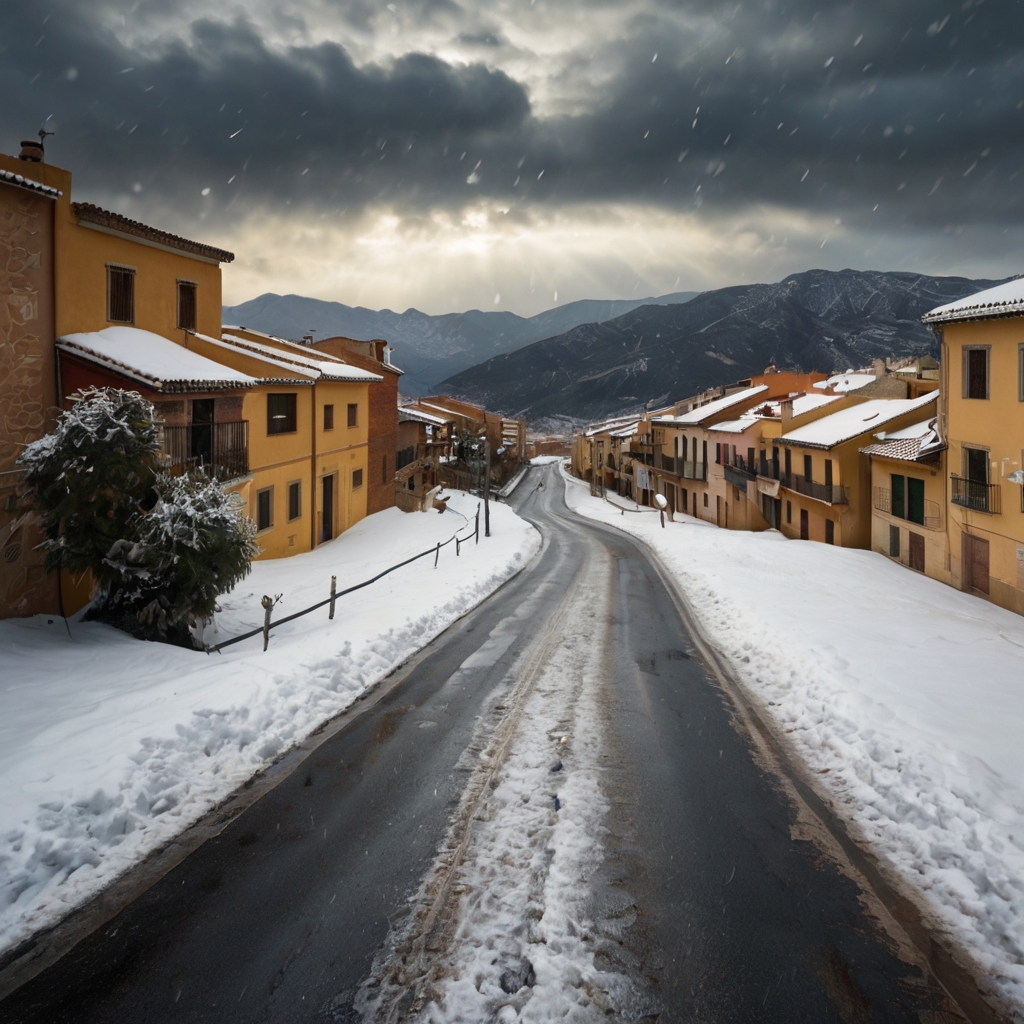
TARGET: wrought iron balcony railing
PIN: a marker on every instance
(974, 494)
(831, 494)
(221, 449)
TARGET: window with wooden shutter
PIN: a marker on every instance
(187, 305)
(265, 509)
(915, 501)
(898, 507)
(353, 414)
(975, 372)
(120, 294)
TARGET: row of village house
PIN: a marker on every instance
(920, 462)
(312, 436)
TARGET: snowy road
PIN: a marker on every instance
(553, 792)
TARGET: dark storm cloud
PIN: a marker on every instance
(304, 124)
(915, 108)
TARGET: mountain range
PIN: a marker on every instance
(817, 320)
(428, 348)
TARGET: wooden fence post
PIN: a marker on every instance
(334, 587)
(437, 554)
(268, 607)
(476, 532)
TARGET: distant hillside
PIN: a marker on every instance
(818, 320)
(429, 348)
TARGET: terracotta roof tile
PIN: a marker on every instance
(115, 222)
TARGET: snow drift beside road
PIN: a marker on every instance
(905, 695)
(111, 746)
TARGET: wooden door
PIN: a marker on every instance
(976, 563)
(718, 510)
(916, 551)
(805, 530)
(327, 529)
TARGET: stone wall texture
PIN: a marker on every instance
(28, 395)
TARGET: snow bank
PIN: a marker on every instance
(109, 746)
(905, 695)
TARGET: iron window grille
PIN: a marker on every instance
(120, 294)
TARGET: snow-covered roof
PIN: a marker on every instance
(19, 180)
(705, 412)
(846, 382)
(862, 418)
(407, 413)
(329, 367)
(1005, 299)
(153, 360)
(627, 431)
(735, 426)
(909, 444)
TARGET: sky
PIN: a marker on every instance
(518, 154)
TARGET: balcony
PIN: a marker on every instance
(221, 449)
(831, 494)
(975, 495)
(931, 518)
(738, 476)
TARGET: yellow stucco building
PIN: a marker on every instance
(982, 422)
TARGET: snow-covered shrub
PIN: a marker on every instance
(193, 545)
(160, 548)
(87, 478)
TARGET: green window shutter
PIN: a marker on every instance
(898, 507)
(915, 500)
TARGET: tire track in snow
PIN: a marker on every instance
(509, 893)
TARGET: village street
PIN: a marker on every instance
(556, 791)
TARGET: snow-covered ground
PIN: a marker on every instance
(110, 746)
(905, 696)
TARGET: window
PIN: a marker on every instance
(120, 294)
(187, 305)
(265, 509)
(975, 372)
(750, 460)
(976, 465)
(294, 500)
(718, 453)
(789, 465)
(789, 512)
(357, 479)
(894, 542)
(830, 532)
(685, 500)
(328, 417)
(808, 468)
(353, 414)
(705, 499)
(384, 469)
(828, 472)
(915, 501)
(281, 414)
(898, 503)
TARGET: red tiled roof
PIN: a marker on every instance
(115, 222)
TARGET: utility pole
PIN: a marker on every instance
(487, 487)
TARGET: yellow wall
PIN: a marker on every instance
(851, 470)
(81, 258)
(936, 549)
(995, 424)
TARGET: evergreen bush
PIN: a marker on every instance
(161, 548)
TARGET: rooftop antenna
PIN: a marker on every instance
(42, 135)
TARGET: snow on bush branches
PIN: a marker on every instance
(160, 547)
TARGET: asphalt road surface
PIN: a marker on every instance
(708, 895)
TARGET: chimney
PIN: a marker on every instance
(878, 365)
(31, 151)
(786, 412)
